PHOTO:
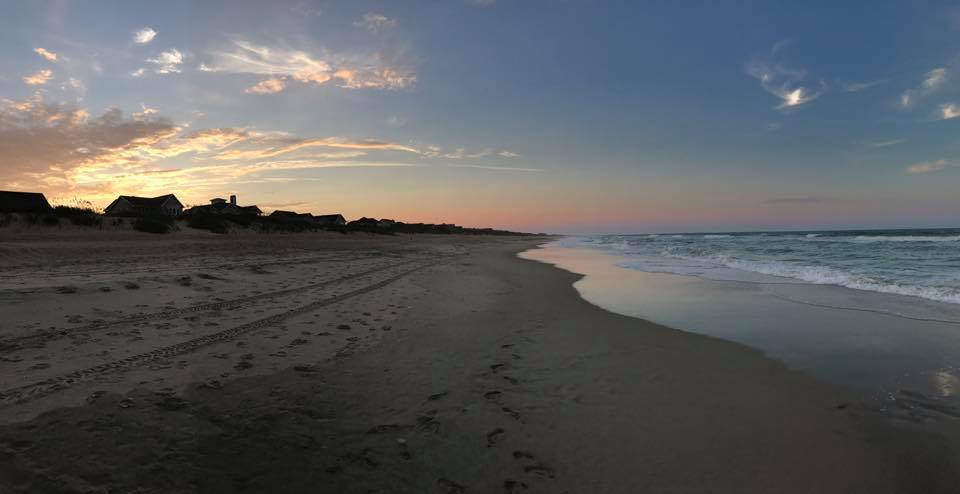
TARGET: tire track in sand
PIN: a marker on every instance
(17, 343)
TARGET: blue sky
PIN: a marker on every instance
(569, 116)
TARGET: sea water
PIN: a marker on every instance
(917, 263)
(874, 310)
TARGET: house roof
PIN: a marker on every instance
(329, 216)
(149, 202)
(145, 203)
(22, 202)
(365, 221)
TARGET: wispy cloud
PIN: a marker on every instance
(374, 22)
(38, 78)
(49, 55)
(462, 153)
(856, 87)
(948, 111)
(497, 168)
(267, 86)
(784, 83)
(932, 80)
(883, 144)
(144, 36)
(928, 166)
(167, 62)
(377, 71)
(270, 145)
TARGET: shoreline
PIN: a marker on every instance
(495, 376)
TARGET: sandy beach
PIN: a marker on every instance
(410, 363)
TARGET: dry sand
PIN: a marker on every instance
(330, 363)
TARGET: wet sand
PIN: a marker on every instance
(329, 363)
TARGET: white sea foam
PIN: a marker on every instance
(906, 238)
(892, 263)
(820, 275)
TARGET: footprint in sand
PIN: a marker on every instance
(512, 486)
(539, 470)
(437, 396)
(522, 455)
(494, 436)
(450, 486)
(511, 380)
(492, 395)
(511, 412)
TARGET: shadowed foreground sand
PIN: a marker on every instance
(414, 364)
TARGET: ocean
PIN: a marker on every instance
(917, 263)
(877, 311)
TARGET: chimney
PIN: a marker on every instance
(233, 200)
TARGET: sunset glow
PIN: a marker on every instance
(397, 110)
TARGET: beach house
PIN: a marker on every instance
(221, 206)
(165, 205)
(23, 202)
(330, 220)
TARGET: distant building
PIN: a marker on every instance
(330, 220)
(365, 222)
(166, 205)
(221, 206)
(23, 202)
(385, 223)
(291, 216)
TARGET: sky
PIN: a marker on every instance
(566, 116)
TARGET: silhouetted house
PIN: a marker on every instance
(364, 222)
(330, 220)
(166, 205)
(250, 210)
(221, 206)
(385, 223)
(291, 216)
(23, 202)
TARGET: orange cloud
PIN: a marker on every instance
(267, 86)
(49, 55)
(38, 78)
(376, 71)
